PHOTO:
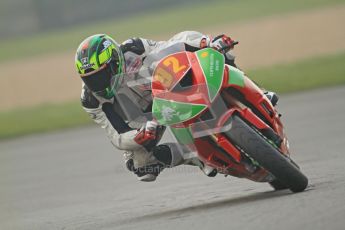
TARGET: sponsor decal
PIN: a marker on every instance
(85, 60)
(87, 66)
(85, 63)
(168, 113)
(204, 54)
(214, 65)
(106, 44)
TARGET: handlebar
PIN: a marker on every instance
(229, 47)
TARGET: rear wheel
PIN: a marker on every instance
(259, 149)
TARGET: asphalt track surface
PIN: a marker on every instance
(76, 180)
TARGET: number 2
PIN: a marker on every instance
(175, 64)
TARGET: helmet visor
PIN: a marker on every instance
(102, 82)
(97, 80)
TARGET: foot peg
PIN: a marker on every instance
(209, 171)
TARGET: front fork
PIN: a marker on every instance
(247, 115)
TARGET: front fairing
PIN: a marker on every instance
(185, 84)
(157, 84)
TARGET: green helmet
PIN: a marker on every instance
(100, 61)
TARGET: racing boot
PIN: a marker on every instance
(146, 173)
(143, 164)
(170, 156)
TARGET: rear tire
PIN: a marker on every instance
(258, 148)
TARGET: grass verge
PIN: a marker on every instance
(308, 74)
(164, 21)
(41, 119)
(304, 75)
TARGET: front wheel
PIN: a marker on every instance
(260, 150)
(277, 185)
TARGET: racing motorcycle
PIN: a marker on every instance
(216, 110)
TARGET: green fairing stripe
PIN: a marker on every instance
(170, 112)
(212, 63)
(183, 135)
(236, 76)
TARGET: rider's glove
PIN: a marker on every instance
(222, 43)
(147, 133)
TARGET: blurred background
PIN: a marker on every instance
(75, 179)
(286, 46)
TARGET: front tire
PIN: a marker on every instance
(277, 185)
(258, 148)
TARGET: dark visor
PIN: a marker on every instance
(99, 80)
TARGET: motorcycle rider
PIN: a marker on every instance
(99, 59)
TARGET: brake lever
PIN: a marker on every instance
(227, 47)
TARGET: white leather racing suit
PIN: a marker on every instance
(116, 115)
